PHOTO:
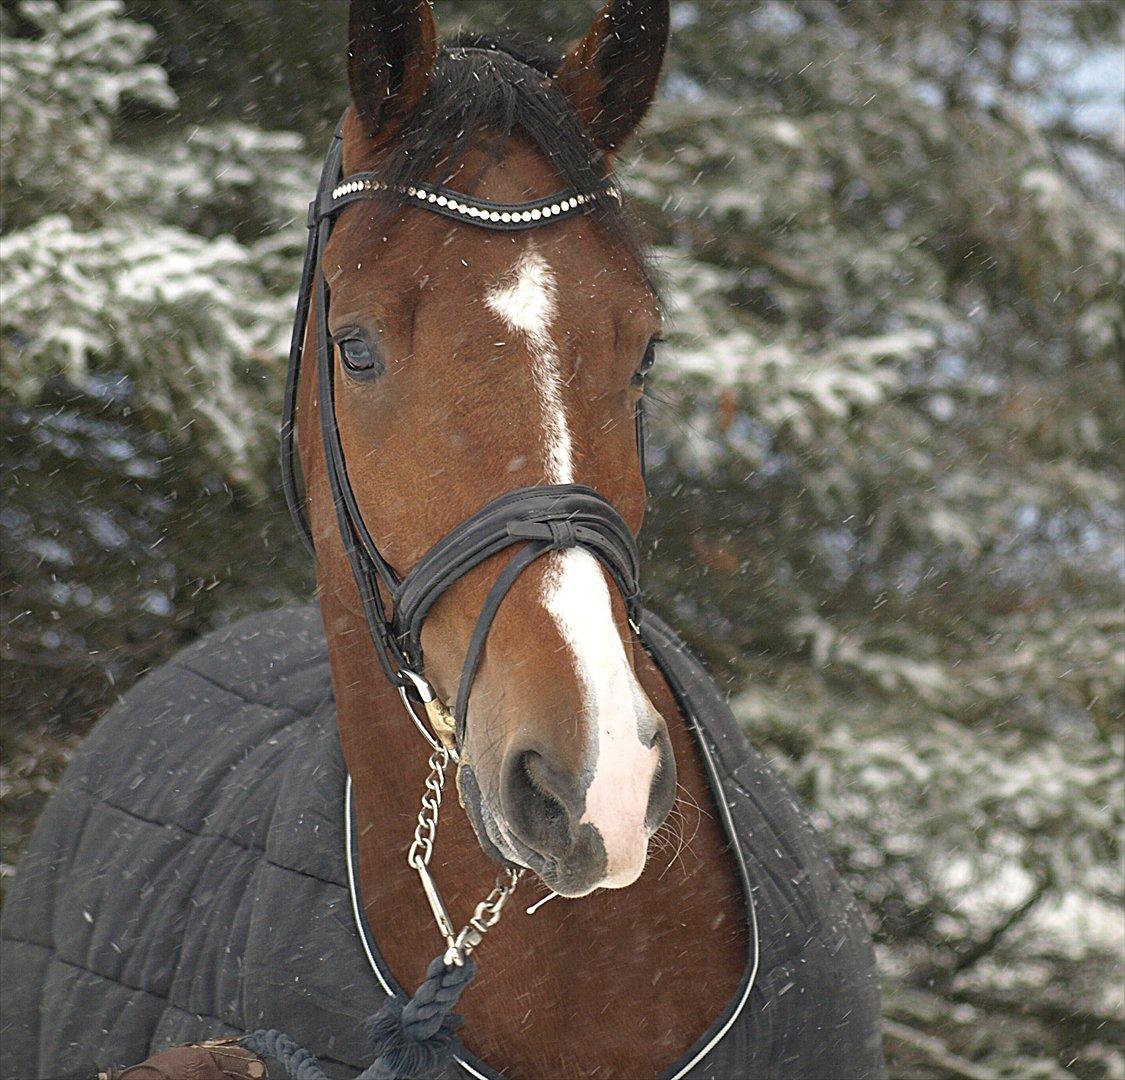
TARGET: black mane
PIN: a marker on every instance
(485, 91)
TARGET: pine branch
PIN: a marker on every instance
(1065, 131)
(937, 1052)
(1079, 1023)
(978, 950)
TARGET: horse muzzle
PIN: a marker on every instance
(539, 821)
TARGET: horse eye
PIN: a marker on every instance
(646, 363)
(358, 357)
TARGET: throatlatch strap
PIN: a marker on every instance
(289, 402)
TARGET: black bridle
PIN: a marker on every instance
(538, 519)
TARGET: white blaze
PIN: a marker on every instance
(525, 301)
(577, 597)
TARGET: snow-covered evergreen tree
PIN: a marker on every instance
(893, 457)
(119, 260)
(144, 309)
(887, 427)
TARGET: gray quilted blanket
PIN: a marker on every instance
(189, 880)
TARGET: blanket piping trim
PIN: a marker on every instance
(714, 1035)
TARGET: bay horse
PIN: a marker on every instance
(470, 438)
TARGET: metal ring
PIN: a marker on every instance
(425, 690)
(426, 693)
(420, 724)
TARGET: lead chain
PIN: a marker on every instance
(426, 830)
(488, 911)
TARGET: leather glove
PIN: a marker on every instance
(222, 1059)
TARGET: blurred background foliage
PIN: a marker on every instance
(887, 429)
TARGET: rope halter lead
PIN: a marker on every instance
(416, 1037)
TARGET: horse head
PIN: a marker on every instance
(467, 362)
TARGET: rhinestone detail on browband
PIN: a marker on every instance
(449, 203)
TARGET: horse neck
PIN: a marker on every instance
(571, 958)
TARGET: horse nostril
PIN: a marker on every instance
(535, 804)
(662, 795)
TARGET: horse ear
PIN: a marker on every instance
(611, 75)
(391, 50)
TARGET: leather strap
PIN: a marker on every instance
(468, 209)
(556, 515)
(221, 1059)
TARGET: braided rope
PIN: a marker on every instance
(298, 1062)
(423, 1014)
(416, 1037)
(409, 1037)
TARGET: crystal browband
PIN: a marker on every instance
(459, 207)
